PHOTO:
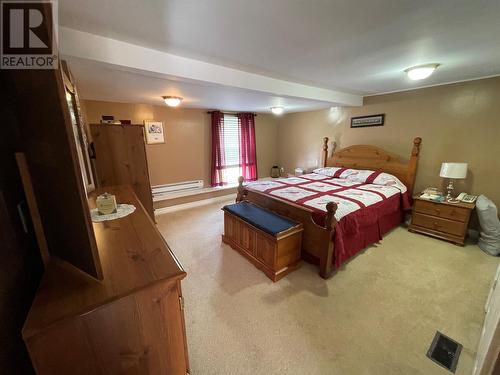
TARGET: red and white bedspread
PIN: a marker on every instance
(369, 203)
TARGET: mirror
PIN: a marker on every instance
(79, 129)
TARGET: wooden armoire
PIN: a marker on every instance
(120, 159)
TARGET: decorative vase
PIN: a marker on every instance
(275, 171)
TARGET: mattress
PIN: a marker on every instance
(369, 203)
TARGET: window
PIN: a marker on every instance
(233, 148)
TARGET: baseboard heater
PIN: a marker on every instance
(160, 191)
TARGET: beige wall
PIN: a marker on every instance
(186, 153)
(458, 123)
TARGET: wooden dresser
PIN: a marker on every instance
(131, 322)
(448, 221)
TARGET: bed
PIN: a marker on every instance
(359, 194)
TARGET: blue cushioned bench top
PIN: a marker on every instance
(260, 218)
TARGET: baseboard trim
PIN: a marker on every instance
(185, 206)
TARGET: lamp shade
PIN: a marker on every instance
(453, 170)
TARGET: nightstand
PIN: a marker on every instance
(448, 221)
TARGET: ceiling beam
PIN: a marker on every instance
(130, 56)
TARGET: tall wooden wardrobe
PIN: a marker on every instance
(120, 159)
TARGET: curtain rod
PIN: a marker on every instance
(231, 113)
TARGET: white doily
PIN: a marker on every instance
(122, 210)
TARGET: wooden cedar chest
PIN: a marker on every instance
(271, 242)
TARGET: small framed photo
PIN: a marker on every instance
(154, 132)
(365, 121)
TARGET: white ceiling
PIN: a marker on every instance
(356, 46)
(99, 81)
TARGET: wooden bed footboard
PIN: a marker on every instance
(317, 241)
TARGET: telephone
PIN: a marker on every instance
(466, 198)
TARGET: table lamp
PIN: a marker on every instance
(453, 171)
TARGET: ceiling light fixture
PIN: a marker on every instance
(277, 110)
(172, 101)
(419, 72)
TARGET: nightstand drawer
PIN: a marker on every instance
(456, 228)
(441, 210)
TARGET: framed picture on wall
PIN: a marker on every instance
(365, 121)
(154, 132)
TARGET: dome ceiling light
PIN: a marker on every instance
(172, 101)
(277, 110)
(416, 73)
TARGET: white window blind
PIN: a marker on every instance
(231, 141)
(231, 148)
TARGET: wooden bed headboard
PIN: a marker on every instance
(377, 159)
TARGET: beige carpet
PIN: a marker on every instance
(377, 315)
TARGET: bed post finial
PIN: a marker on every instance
(325, 151)
(330, 221)
(241, 193)
(412, 165)
(416, 146)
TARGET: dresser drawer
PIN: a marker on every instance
(441, 210)
(456, 228)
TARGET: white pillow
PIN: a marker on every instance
(327, 171)
(357, 175)
(387, 179)
(362, 175)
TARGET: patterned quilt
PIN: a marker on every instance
(369, 203)
(352, 190)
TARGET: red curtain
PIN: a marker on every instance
(248, 160)
(218, 159)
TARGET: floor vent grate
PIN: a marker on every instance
(445, 351)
